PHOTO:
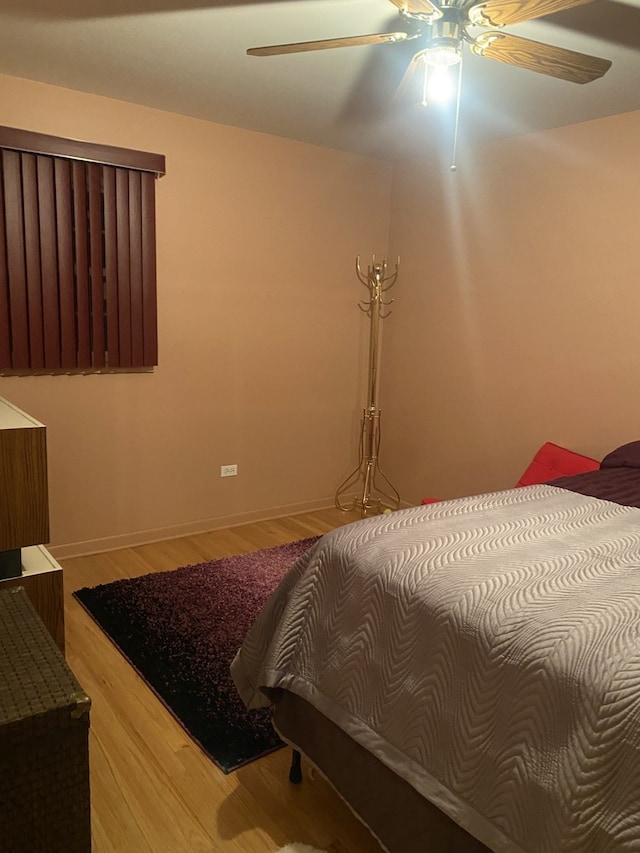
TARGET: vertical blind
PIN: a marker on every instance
(77, 263)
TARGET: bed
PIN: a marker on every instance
(467, 674)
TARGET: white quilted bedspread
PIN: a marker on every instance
(487, 649)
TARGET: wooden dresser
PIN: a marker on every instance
(24, 517)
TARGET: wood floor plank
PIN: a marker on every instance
(153, 790)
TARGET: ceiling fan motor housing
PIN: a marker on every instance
(445, 40)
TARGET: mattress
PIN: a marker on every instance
(486, 650)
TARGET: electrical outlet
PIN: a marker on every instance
(228, 470)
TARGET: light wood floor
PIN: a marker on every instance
(152, 789)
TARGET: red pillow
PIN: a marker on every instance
(552, 461)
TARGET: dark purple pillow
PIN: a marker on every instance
(625, 456)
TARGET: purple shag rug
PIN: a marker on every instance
(181, 629)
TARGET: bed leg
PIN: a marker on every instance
(295, 771)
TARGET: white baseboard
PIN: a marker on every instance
(146, 537)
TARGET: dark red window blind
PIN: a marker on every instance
(77, 254)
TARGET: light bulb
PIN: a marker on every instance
(439, 84)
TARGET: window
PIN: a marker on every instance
(77, 254)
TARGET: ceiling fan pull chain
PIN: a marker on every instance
(425, 86)
(453, 167)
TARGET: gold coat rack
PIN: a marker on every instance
(373, 490)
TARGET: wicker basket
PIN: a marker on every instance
(44, 734)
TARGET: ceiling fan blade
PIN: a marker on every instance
(417, 7)
(326, 44)
(500, 13)
(543, 58)
(408, 79)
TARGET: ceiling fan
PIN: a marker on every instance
(441, 30)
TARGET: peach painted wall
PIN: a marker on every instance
(517, 306)
(262, 347)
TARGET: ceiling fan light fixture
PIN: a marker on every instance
(440, 81)
(438, 85)
(442, 55)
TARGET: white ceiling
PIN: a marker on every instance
(188, 56)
